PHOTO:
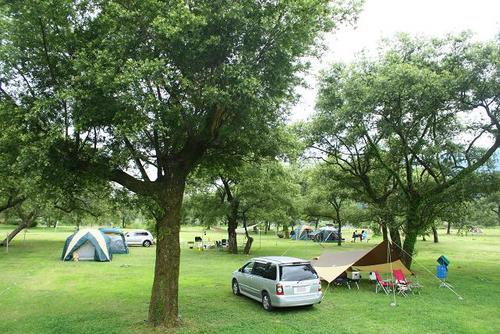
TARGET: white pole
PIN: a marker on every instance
(260, 238)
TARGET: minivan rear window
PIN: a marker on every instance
(297, 272)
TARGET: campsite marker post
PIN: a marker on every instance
(260, 239)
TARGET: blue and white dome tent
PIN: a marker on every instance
(91, 245)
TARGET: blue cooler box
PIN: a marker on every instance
(441, 272)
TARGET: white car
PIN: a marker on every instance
(139, 237)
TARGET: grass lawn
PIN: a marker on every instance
(41, 294)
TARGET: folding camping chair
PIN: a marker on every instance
(403, 283)
(343, 281)
(383, 285)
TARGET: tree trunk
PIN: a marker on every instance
(435, 234)
(286, 233)
(396, 238)
(248, 246)
(316, 223)
(25, 223)
(163, 308)
(266, 227)
(409, 246)
(448, 229)
(413, 223)
(385, 236)
(15, 232)
(249, 242)
(232, 224)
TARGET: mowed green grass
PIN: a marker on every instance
(41, 294)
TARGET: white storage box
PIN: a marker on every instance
(354, 275)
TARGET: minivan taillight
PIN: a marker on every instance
(279, 290)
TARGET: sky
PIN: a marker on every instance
(384, 18)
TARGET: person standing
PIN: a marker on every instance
(364, 235)
(361, 236)
(354, 235)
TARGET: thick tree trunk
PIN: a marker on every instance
(232, 224)
(266, 227)
(316, 223)
(409, 246)
(385, 236)
(448, 229)
(412, 226)
(435, 234)
(163, 308)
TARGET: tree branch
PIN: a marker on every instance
(136, 159)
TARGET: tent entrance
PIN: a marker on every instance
(86, 252)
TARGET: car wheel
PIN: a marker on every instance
(236, 288)
(266, 302)
(146, 243)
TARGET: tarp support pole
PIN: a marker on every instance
(445, 284)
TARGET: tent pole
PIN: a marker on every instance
(445, 284)
(389, 257)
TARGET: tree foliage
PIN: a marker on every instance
(406, 111)
(140, 93)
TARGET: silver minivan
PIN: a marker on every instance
(278, 281)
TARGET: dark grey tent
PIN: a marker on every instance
(326, 234)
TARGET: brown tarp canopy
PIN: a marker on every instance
(382, 258)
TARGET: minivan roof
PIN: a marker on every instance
(280, 259)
